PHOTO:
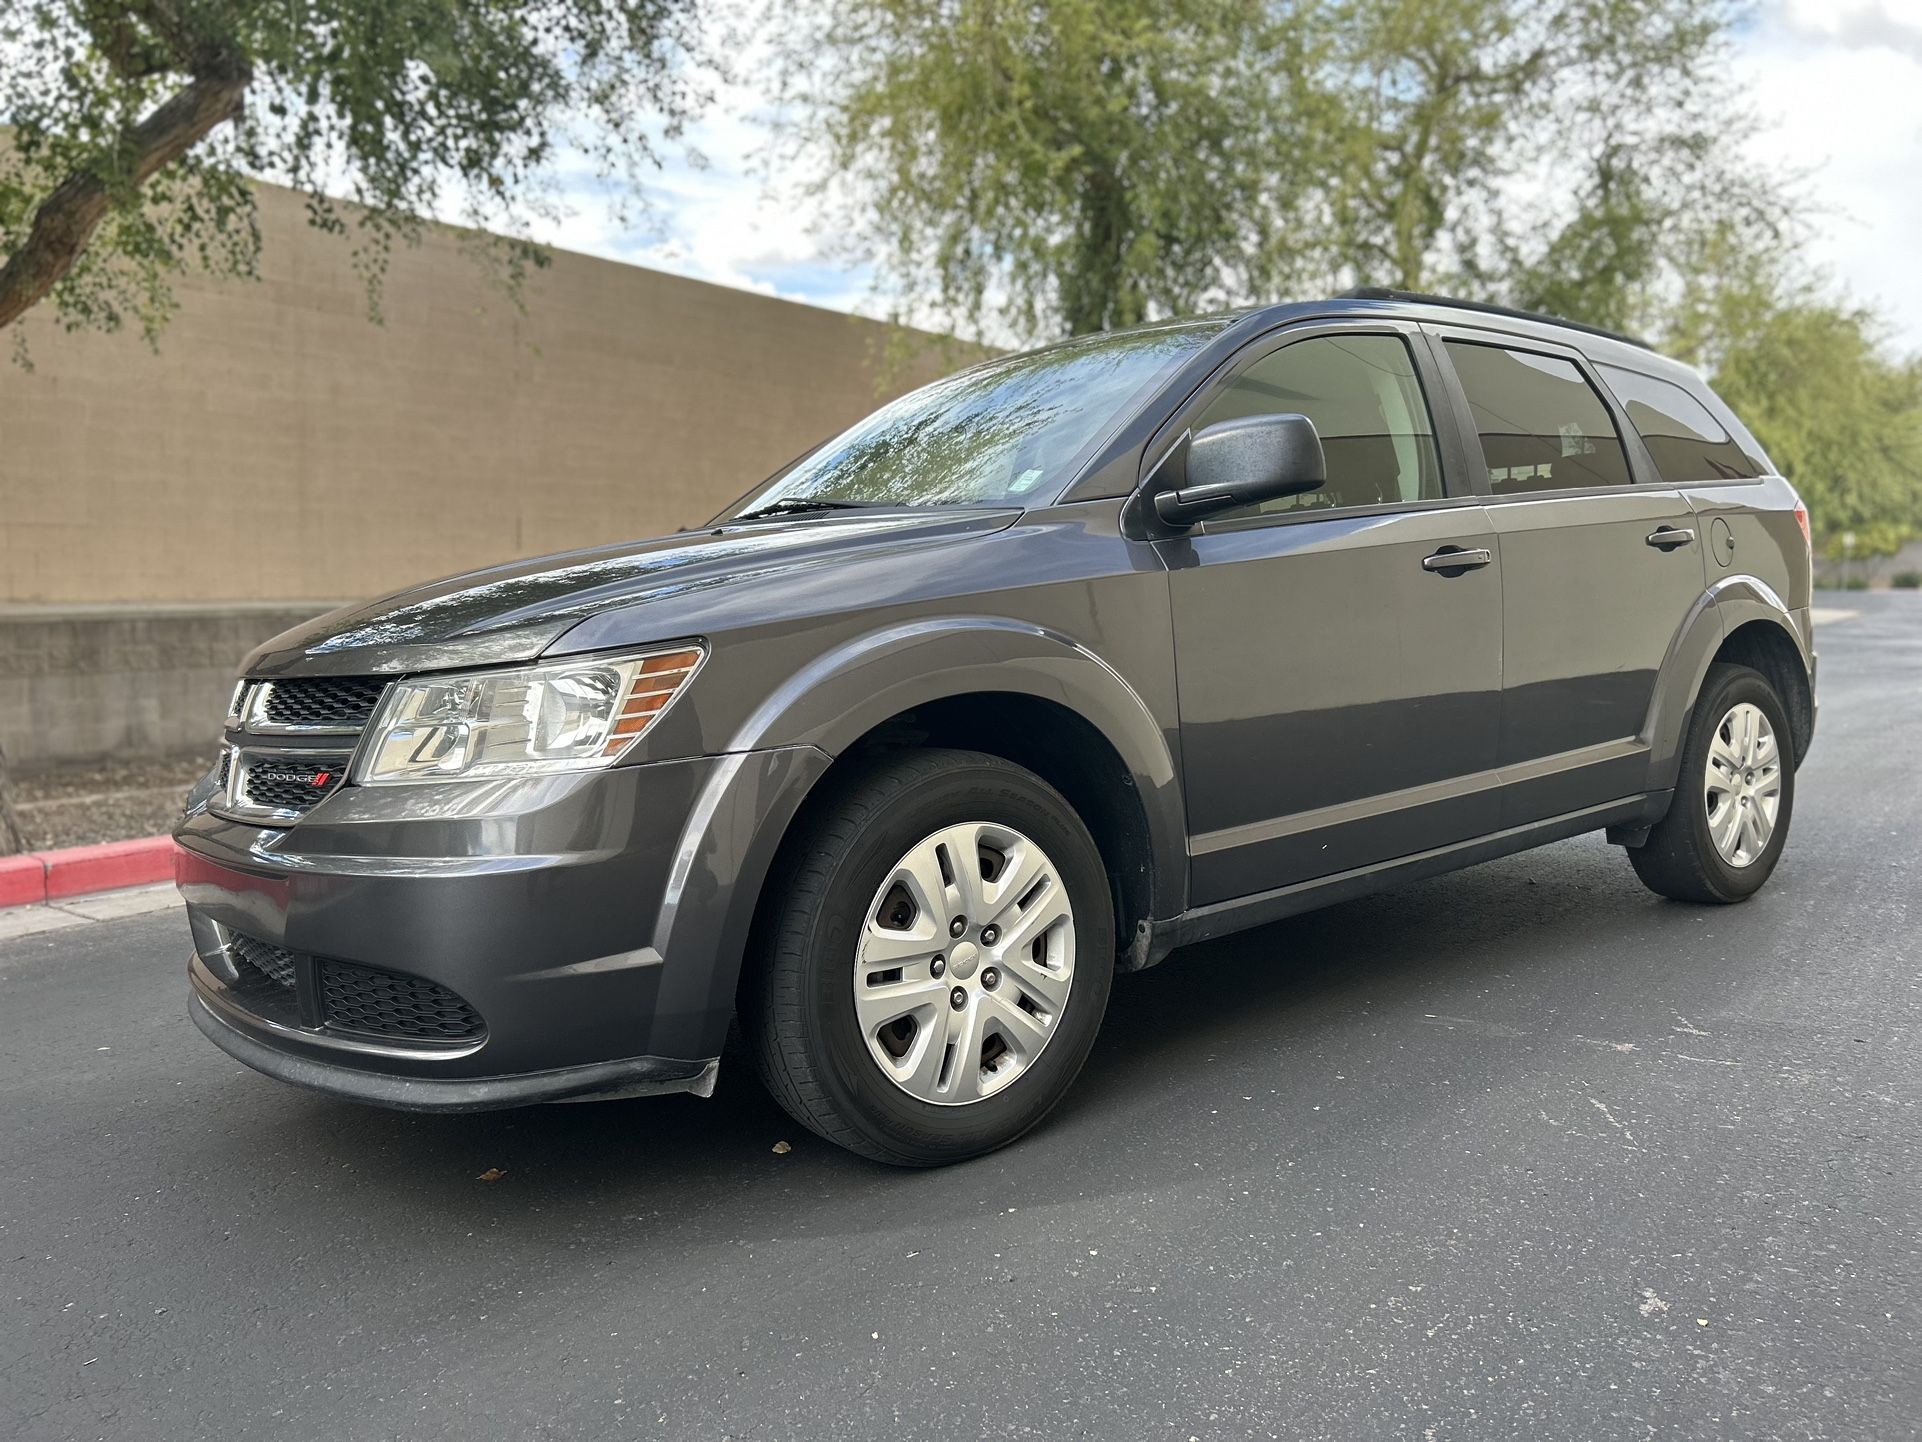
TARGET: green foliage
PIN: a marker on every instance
(1069, 165)
(1907, 580)
(144, 118)
(1556, 154)
(1812, 377)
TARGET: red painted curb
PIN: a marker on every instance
(23, 880)
(80, 870)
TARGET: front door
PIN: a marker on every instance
(1598, 574)
(1339, 676)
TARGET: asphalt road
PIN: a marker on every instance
(1523, 1152)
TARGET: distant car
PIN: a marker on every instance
(1034, 675)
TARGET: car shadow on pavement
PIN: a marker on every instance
(1264, 1020)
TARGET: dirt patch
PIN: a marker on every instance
(78, 804)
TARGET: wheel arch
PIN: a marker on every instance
(1740, 619)
(983, 683)
(1064, 749)
(1766, 646)
(1013, 689)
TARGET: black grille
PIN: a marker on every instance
(387, 1004)
(293, 783)
(344, 703)
(264, 979)
(273, 963)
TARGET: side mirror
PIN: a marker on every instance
(1244, 461)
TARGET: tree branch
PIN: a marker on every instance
(67, 219)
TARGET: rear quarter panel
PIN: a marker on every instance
(1764, 540)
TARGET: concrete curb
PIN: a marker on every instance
(82, 870)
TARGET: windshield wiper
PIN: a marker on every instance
(797, 506)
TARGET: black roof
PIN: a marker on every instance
(1416, 297)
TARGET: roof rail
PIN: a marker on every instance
(1416, 297)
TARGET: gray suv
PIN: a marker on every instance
(1031, 677)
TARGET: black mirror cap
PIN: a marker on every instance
(1243, 461)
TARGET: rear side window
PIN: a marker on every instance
(1542, 425)
(1685, 440)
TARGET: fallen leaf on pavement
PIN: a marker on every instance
(492, 1174)
(781, 1149)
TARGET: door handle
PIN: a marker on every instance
(1453, 561)
(1671, 538)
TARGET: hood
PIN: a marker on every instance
(514, 612)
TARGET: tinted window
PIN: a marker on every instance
(1542, 425)
(1685, 440)
(1367, 406)
(1005, 433)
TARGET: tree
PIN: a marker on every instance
(1058, 167)
(1068, 165)
(1814, 378)
(137, 125)
(1563, 155)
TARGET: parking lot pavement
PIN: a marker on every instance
(1521, 1153)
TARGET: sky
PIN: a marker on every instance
(1837, 85)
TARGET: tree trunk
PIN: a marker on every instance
(1091, 289)
(67, 219)
(12, 839)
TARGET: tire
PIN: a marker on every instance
(1681, 858)
(826, 931)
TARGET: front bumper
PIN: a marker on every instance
(585, 930)
(598, 1081)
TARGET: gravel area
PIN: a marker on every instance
(76, 805)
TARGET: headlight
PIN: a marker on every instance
(568, 716)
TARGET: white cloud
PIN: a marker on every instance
(715, 211)
(1839, 85)
(1895, 24)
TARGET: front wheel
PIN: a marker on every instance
(1729, 818)
(934, 959)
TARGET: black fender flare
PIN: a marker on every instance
(1718, 613)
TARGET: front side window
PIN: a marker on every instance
(1683, 438)
(1543, 427)
(1363, 396)
(1009, 432)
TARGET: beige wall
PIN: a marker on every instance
(280, 446)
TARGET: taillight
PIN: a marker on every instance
(1802, 520)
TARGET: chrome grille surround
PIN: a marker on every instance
(278, 780)
(312, 705)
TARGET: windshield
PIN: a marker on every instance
(1006, 433)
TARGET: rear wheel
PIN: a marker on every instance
(934, 961)
(1730, 815)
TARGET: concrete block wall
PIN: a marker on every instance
(282, 445)
(1878, 571)
(82, 683)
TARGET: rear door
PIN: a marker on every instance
(1598, 572)
(1339, 687)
